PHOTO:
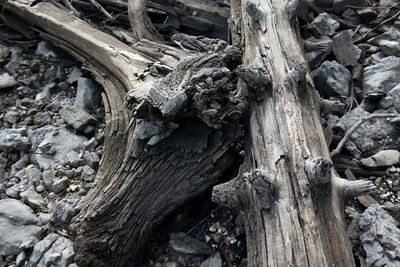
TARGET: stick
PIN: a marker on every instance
(68, 4)
(355, 127)
(392, 18)
(99, 7)
(366, 201)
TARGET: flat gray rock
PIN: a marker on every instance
(17, 222)
(390, 48)
(74, 159)
(46, 49)
(44, 218)
(323, 25)
(394, 94)
(392, 34)
(61, 140)
(64, 211)
(86, 94)
(14, 139)
(381, 77)
(16, 60)
(33, 173)
(13, 191)
(351, 16)
(42, 118)
(185, 244)
(60, 184)
(343, 48)
(32, 198)
(388, 2)
(29, 242)
(213, 261)
(371, 137)
(92, 159)
(382, 159)
(75, 75)
(46, 92)
(12, 117)
(380, 237)
(4, 51)
(53, 250)
(317, 50)
(20, 258)
(77, 118)
(88, 174)
(7, 81)
(332, 79)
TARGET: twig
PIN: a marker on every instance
(201, 221)
(364, 36)
(68, 4)
(356, 30)
(101, 8)
(355, 127)
(20, 42)
(372, 7)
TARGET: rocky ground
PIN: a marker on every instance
(51, 137)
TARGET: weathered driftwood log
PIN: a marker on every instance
(291, 199)
(177, 141)
(143, 177)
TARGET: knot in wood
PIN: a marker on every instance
(256, 80)
(257, 16)
(298, 73)
(259, 182)
(262, 187)
(319, 170)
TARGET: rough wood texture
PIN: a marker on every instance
(304, 225)
(365, 200)
(141, 24)
(137, 185)
(292, 217)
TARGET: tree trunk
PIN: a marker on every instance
(291, 199)
(172, 139)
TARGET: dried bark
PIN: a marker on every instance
(171, 140)
(291, 199)
(138, 184)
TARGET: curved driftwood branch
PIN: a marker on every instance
(102, 9)
(68, 4)
(140, 180)
(141, 24)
